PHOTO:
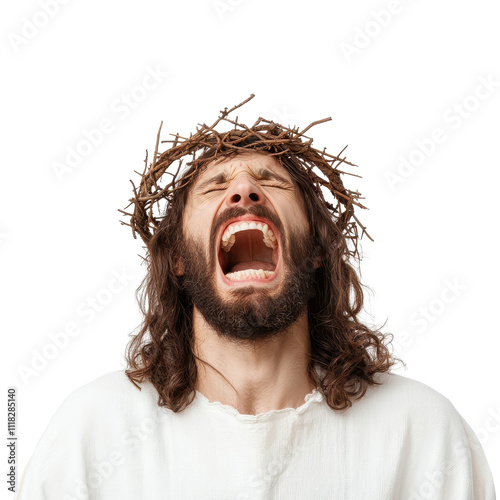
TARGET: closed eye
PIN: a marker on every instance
(263, 185)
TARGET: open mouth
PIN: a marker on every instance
(249, 251)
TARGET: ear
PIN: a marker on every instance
(178, 269)
(317, 262)
(313, 263)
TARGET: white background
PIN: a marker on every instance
(435, 230)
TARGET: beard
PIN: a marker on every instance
(250, 312)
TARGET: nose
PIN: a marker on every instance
(243, 192)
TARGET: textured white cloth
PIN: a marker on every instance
(402, 440)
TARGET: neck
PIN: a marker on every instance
(255, 376)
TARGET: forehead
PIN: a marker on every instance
(257, 163)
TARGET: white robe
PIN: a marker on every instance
(401, 441)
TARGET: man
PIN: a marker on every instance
(256, 378)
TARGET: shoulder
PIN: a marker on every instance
(98, 414)
(101, 422)
(114, 383)
(433, 436)
(409, 403)
(408, 393)
(415, 409)
(108, 398)
(413, 414)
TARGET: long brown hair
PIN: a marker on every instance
(347, 352)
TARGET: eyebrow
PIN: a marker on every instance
(262, 174)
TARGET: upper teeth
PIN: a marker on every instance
(228, 238)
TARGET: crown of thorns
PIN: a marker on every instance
(265, 136)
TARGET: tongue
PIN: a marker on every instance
(253, 264)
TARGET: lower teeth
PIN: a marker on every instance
(249, 273)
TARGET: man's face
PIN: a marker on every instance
(247, 258)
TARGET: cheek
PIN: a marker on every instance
(296, 218)
(186, 222)
(190, 218)
(196, 225)
(199, 215)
